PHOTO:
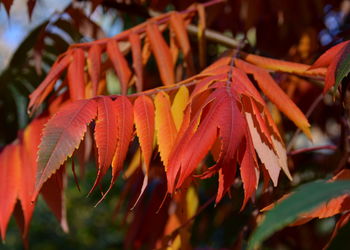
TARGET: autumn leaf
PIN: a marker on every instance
(277, 96)
(125, 120)
(120, 64)
(106, 132)
(162, 54)
(94, 67)
(76, 75)
(135, 43)
(61, 136)
(144, 122)
(9, 183)
(165, 126)
(336, 59)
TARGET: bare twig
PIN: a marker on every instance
(308, 114)
(310, 149)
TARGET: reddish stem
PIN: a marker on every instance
(304, 150)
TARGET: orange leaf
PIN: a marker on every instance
(125, 119)
(178, 26)
(120, 64)
(61, 136)
(144, 122)
(162, 54)
(37, 96)
(9, 182)
(165, 126)
(276, 95)
(106, 132)
(29, 149)
(135, 43)
(280, 65)
(179, 105)
(76, 75)
(94, 67)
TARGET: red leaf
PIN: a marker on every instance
(61, 136)
(144, 122)
(9, 182)
(106, 135)
(120, 64)
(53, 194)
(125, 119)
(249, 170)
(40, 93)
(326, 58)
(184, 136)
(30, 5)
(330, 59)
(202, 140)
(135, 43)
(76, 75)
(29, 149)
(162, 54)
(94, 67)
(7, 4)
(231, 128)
(276, 95)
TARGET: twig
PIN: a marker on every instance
(304, 150)
(308, 114)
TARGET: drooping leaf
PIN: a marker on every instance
(135, 43)
(37, 96)
(179, 105)
(249, 170)
(61, 136)
(178, 26)
(202, 140)
(9, 182)
(53, 194)
(125, 120)
(231, 129)
(76, 75)
(94, 67)
(144, 122)
(7, 5)
(29, 149)
(276, 95)
(162, 54)
(299, 202)
(120, 64)
(106, 135)
(165, 126)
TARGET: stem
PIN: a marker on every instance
(161, 19)
(308, 114)
(304, 150)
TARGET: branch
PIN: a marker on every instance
(304, 150)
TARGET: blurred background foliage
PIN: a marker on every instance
(295, 30)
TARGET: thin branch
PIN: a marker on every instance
(308, 114)
(304, 150)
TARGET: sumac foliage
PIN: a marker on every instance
(168, 123)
